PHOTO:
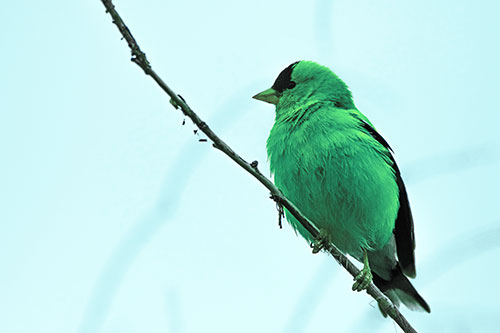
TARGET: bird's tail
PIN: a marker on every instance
(400, 290)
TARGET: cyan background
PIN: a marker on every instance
(114, 218)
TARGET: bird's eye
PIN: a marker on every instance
(291, 84)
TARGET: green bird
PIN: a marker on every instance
(328, 159)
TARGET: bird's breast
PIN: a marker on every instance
(337, 179)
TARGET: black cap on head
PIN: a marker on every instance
(284, 80)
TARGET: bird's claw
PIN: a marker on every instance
(321, 242)
(363, 279)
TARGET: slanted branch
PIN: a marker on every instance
(139, 58)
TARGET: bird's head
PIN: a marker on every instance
(306, 81)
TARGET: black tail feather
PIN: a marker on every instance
(400, 290)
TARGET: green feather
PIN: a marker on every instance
(328, 159)
(337, 174)
(325, 162)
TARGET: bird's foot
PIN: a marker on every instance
(364, 277)
(362, 280)
(321, 242)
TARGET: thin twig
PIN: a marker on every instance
(140, 59)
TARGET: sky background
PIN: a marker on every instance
(115, 218)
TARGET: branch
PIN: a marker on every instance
(140, 59)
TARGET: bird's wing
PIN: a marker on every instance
(403, 231)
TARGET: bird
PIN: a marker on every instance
(330, 161)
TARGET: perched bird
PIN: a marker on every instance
(328, 159)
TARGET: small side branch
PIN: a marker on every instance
(139, 58)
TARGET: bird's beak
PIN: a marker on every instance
(270, 96)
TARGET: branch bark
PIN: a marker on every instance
(140, 59)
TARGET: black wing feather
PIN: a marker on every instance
(403, 231)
